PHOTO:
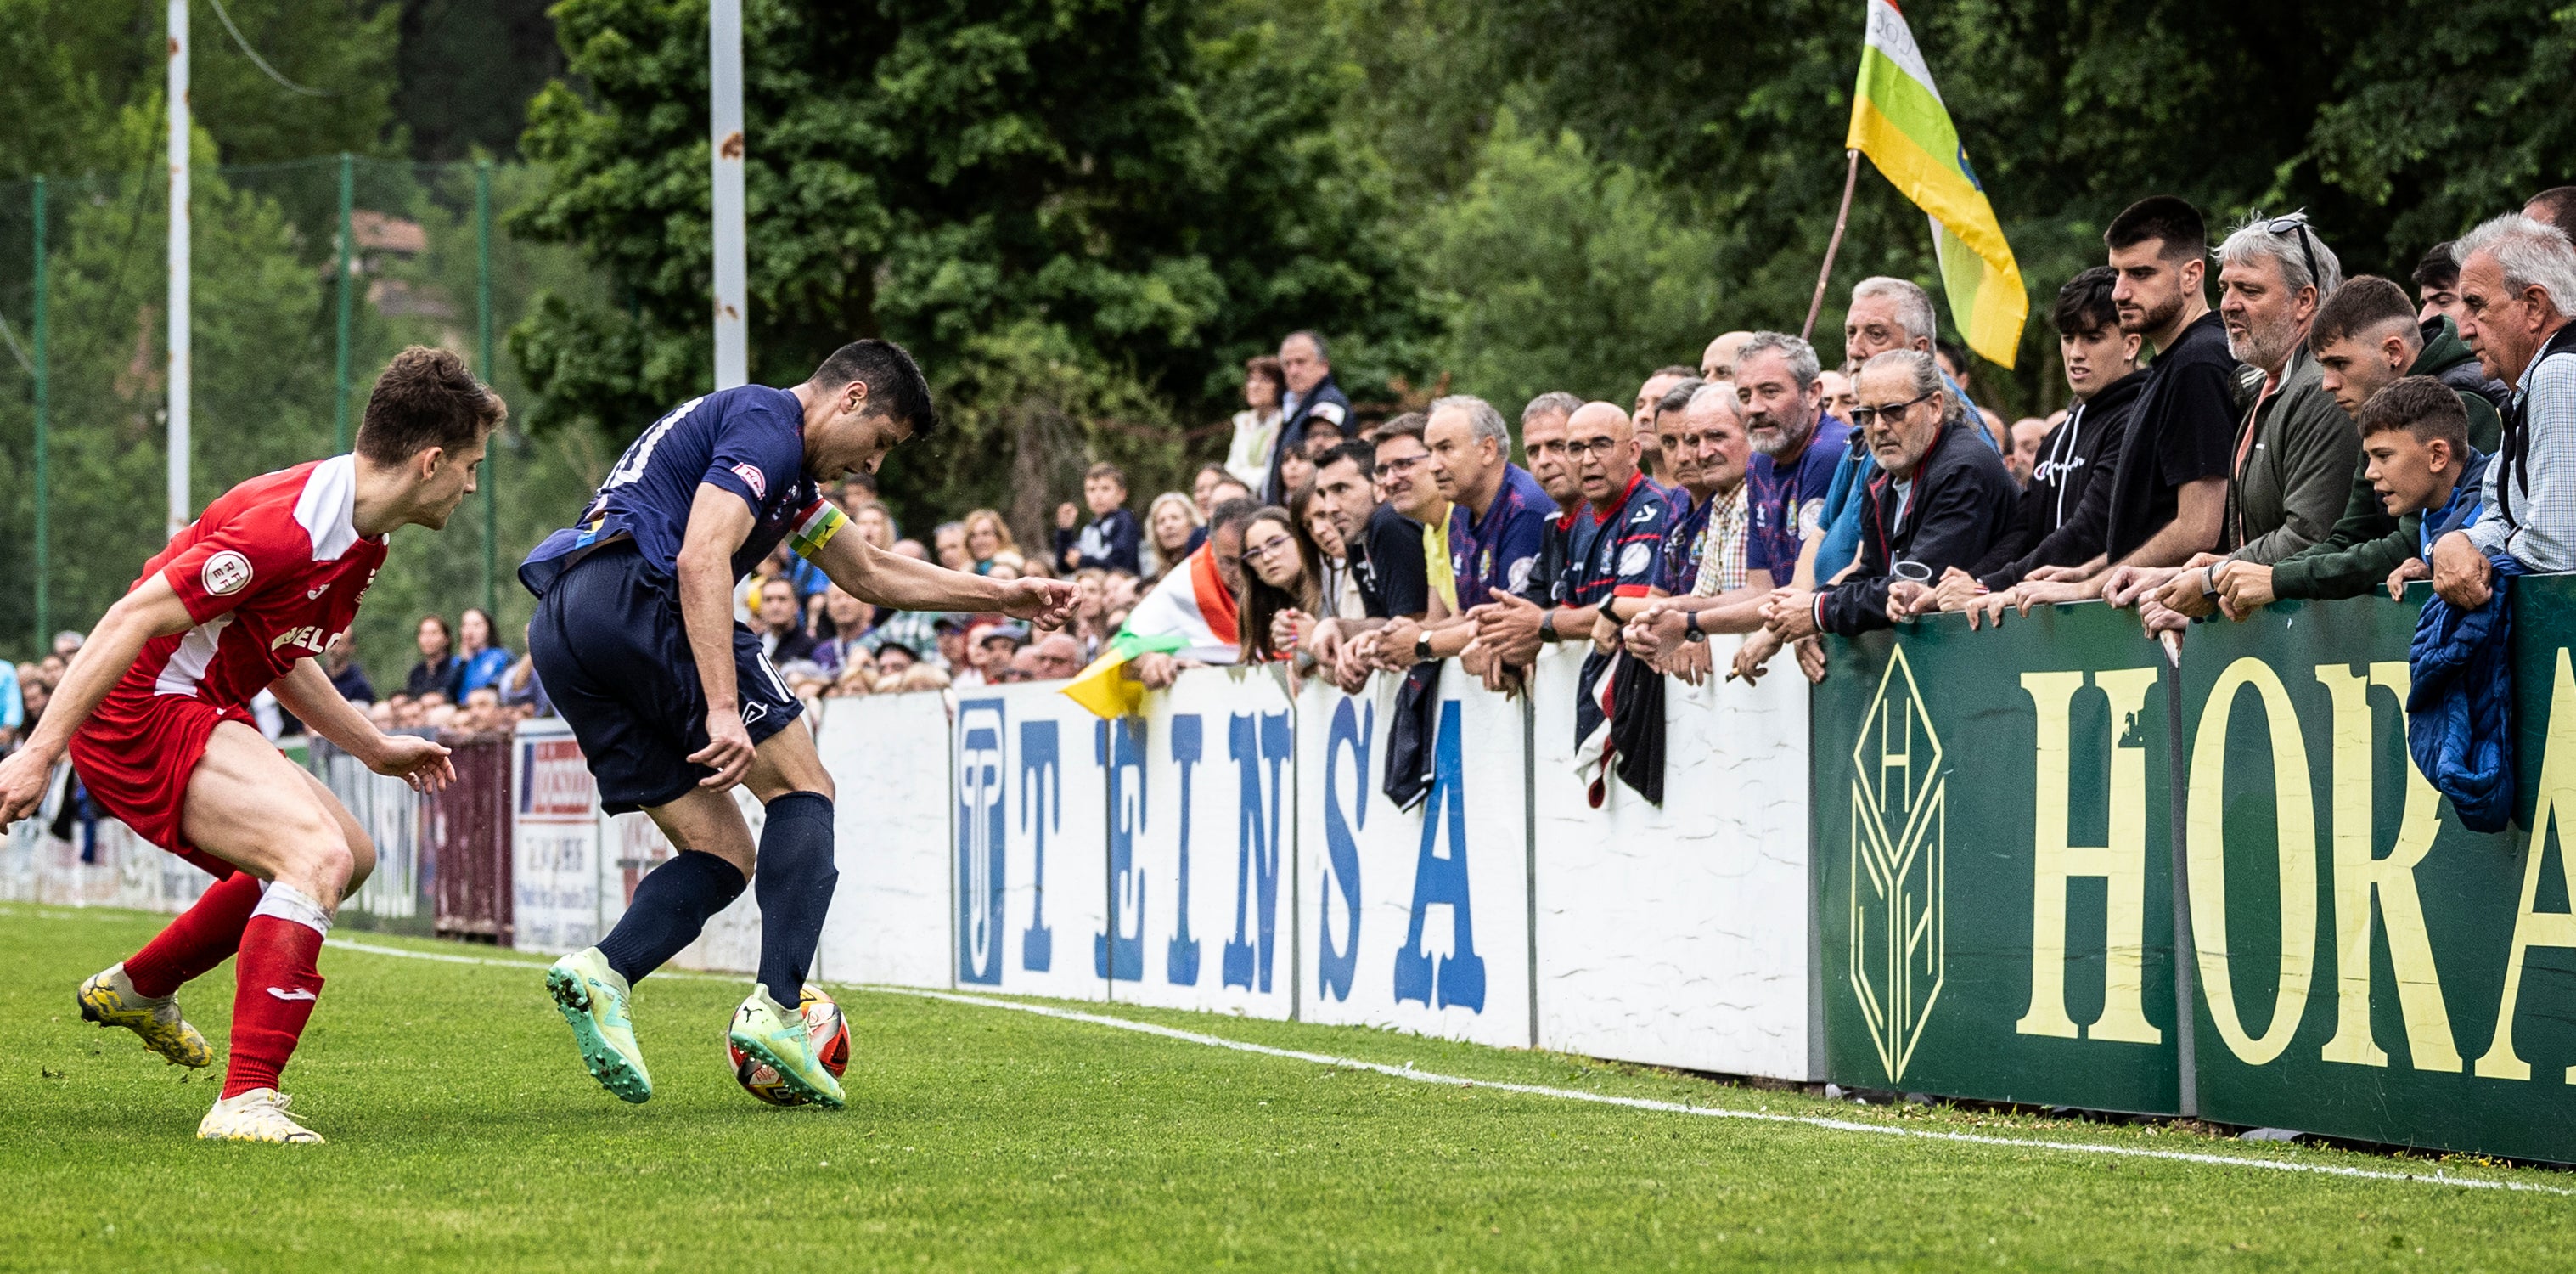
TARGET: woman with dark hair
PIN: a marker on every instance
(1282, 586)
(439, 671)
(484, 657)
(1256, 427)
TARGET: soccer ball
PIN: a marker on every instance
(831, 1038)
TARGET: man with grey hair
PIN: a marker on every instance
(2517, 291)
(1498, 517)
(1940, 500)
(1797, 449)
(1312, 395)
(2295, 446)
(1704, 573)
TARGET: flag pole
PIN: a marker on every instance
(1851, 178)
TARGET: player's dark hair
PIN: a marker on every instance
(426, 398)
(1676, 369)
(895, 385)
(2423, 407)
(2084, 305)
(2439, 270)
(1363, 454)
(1678, 397)
(2364, 303)
(2169, 220)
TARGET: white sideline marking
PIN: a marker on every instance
(1573, 1094)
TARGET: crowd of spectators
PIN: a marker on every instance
(2288, 442)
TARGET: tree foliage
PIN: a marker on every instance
(1080, 177)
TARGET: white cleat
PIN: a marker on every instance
(257, 1115)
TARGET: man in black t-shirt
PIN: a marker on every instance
(1385, 549)
(2169, 482)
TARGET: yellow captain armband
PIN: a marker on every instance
(816, 529)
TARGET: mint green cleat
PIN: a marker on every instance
(780, 1038)
(592, 997)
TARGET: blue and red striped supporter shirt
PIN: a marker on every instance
(1618, 551)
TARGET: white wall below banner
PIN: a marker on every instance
(1416, 919)
(889, 918)
(1678, 936)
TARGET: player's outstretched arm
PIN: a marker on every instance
(152, 610)
(307, 692)
(719, 522)
(890, 579)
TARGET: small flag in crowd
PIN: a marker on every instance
(1190, 614)
(1898, 120)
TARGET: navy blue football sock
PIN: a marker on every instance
(795, 878)
(671, 905)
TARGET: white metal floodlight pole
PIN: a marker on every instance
(180, 505)
(732, 302)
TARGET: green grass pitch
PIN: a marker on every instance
(464, 1134)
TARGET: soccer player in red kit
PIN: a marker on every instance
(155, 713)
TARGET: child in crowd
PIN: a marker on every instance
(1113, 538)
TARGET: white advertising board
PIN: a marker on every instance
(554, 841)
(1033, 844)
(1415, 919)
(888, 757)
(1207, 897)
(1677, 936)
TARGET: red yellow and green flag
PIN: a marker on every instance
(1898, 120)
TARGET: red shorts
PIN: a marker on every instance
(135, 755)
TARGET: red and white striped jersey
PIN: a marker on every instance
(270, 572)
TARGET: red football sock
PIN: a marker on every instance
(276, 988)
(198, 939)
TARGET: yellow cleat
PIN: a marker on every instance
(257, 1115)
(108, 999)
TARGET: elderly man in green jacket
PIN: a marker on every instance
(2365, 338)
(2296, 449)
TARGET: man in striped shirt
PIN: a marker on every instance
(1712, 588)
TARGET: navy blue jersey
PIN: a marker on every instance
(1681, 545)
(1496, 554)
(1618, 551)
(749, 440)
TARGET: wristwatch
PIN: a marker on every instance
(1690, 627)
(1547, 626)
(1422, 647)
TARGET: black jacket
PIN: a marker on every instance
(2059, 518)
(1962, 499)
(1326, 403)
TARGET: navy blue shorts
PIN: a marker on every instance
(614, 657)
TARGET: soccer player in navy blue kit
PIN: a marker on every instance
(674, 703)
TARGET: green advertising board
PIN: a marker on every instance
(2354, 946)
(1993, 858)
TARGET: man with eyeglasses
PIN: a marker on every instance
(1386, 558)
(1614, 552)
(2518, 290)
(1408, 483)
(1941, 497)
(2295, 449)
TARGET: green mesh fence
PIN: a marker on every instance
(307, 277)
